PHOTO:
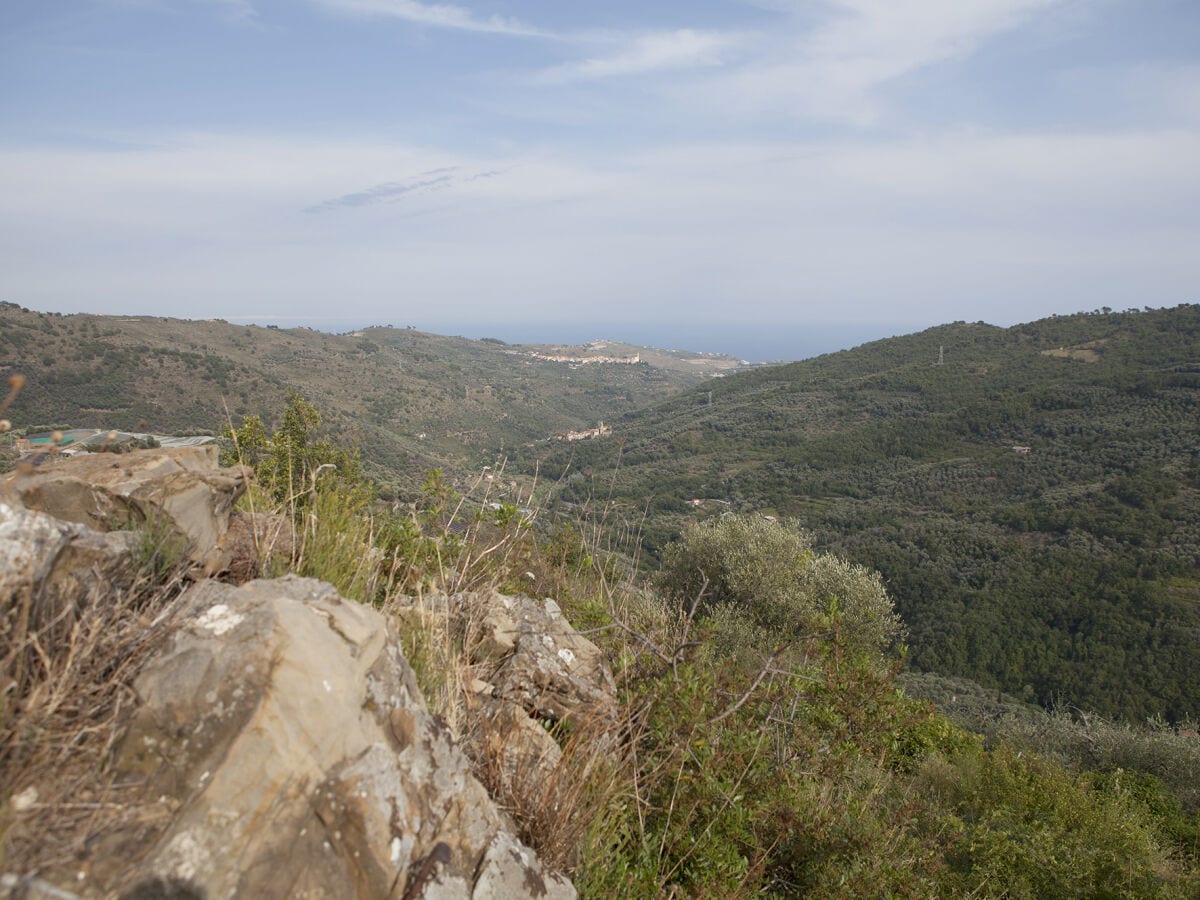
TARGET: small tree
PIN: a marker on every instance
(248, 444)
(320, 486)
(289, 462)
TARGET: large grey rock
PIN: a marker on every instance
(506, 871)
(520, 755)
(283, 733)
(55, 564)
(181, 490)
(533, 657)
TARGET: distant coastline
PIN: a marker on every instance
(784, 342)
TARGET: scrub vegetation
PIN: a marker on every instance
(769, 739)
(1034, 511)
(764, 743)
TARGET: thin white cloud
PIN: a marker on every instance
(966, 225)
(623, 53)
(242, 10)
(646, 52)
(434, 15)
(872, 41)
(834, 68)
(237, 10)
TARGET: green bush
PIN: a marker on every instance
(290, 462)
(158, 550)
(761, 584)
(1025, 827)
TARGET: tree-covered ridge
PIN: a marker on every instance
(756, 742)
(411, 400)
(1030, 494)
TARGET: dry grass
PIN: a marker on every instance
(561, 802)
(66, 682)
(565, 788)
(431, 637)
(482, 550)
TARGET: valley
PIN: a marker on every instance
(930, 603)
(410, 401)
(1031, 495)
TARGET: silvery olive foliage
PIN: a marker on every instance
(761, 583)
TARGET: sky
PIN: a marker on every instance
(767, 177)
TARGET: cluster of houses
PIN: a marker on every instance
(585, 360)
(600, 430)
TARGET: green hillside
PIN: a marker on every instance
(411, 400)
(1031, 495)
(758, 738)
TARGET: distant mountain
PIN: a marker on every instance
(411, 400)
(1031, 494)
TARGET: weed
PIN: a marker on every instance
(565, 802)
(65, 684)
(158, 551)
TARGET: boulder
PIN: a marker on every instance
(180, 490)
(257, 542)
(284, 733)
(532, 656)
(519, 753)
(55, 564)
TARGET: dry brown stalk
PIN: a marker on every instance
(558, 807)
(66, 681)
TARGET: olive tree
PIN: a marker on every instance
(761, 583)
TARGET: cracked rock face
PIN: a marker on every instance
(180, 488)
(284, 731)
(537, 659)
(56, 562)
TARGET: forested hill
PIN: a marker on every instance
(411, 400)
(1031, 494)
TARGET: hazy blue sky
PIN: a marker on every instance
(740, 166)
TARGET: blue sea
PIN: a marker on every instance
(768, 342)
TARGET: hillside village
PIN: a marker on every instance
(586, 434)
(587, 360)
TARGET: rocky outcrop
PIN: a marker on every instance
(285, 732)
(180, 491)
(529, 670)
(528, 651)
(54, 563)
(278, 744)
(518, 754)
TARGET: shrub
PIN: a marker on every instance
(762, 584)
(289, 462)
(1031, 828)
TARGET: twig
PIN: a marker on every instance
(749, 691)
